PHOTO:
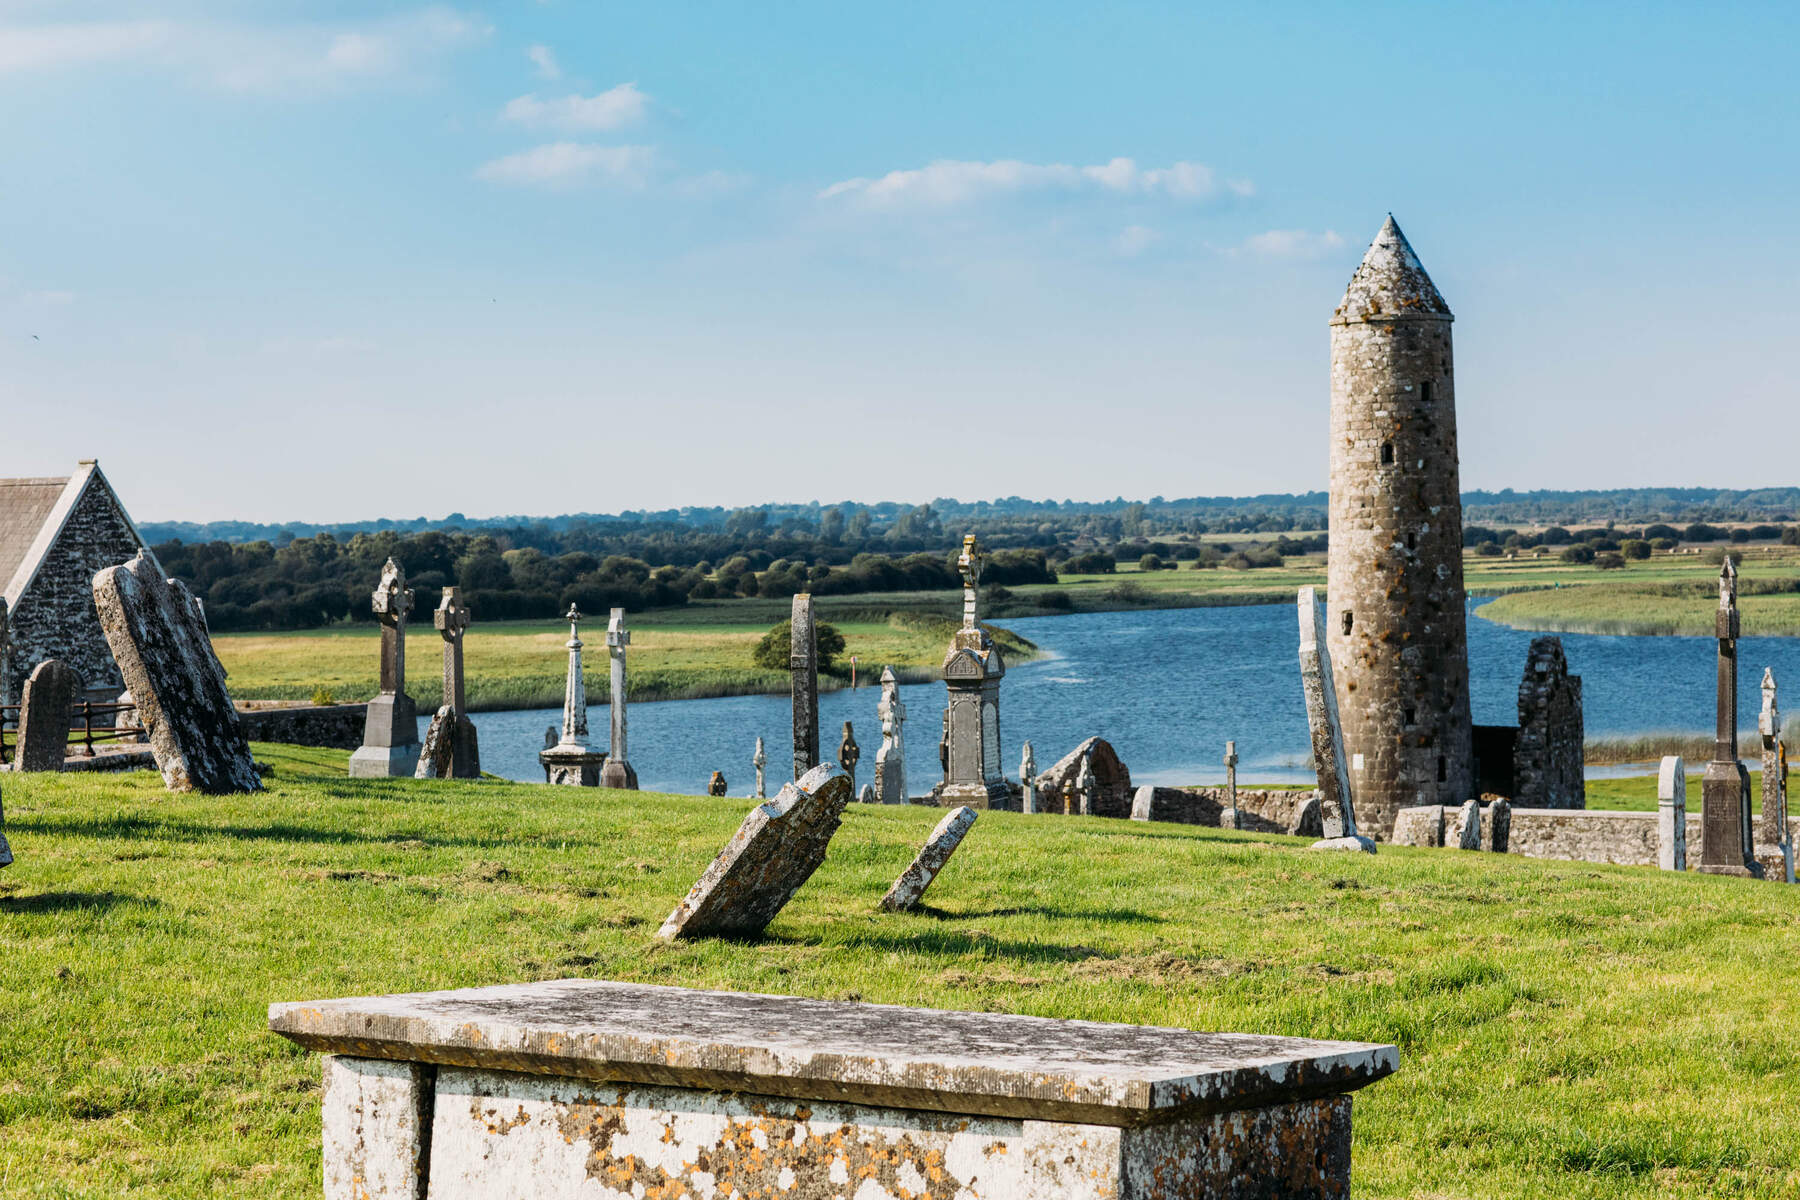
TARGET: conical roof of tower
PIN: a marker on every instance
(1390, 284)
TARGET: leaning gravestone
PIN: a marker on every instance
(44, 710)
(158, 637)
(776, 849)
(438, 751)
(1337, 809)
(909, 889)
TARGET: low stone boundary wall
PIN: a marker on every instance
(1259, 810)
(1585, 834)
(546, 1090)
(336, 726)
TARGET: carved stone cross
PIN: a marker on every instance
(451, 619)
(392, 600)
(970, 564)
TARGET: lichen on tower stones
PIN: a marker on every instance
(1395, 583)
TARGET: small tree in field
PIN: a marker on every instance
(773, 651)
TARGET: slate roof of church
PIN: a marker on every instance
(25, 504)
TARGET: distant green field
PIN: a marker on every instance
(1567, 1031)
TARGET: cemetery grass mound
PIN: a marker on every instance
(1565, 1029)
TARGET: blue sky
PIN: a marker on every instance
(331, 261)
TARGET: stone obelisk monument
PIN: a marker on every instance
(571, 761)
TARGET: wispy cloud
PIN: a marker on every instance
(544, 59)
(1133, 240)
(950, 182)
(245, 58)
(558, 164)
(612, 109)
(1290, 243)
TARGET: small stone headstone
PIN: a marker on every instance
(849, 754)
(1420, 825)
(44, 710)
(716, 786)
(1228, 818)
(776, 849)
(867, 795)
(158, 638)
(1470, 820)
(550, 736)
(1500, 825)
(1307, 821)
(1143, 803)
(1028, 801)
(909, 889)
(1671, 814)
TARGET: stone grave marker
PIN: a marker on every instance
(1774, 848)
(973, 669)
(1671, 814)
(6, 855)
(1087, 788)
(776, 849)
(716, 786)
(451, 749)
(158, 638)
(849, 754)
(390, 744)
(1143, 803)
(909, 889)
(867, 795)
(1337, 807)
(569, 761)
(1726, 844)
(1028, 780)
(1469, 823)
(1500, 825)
(803, 670)
(618, 771)
(759, 761)
(44, 711)
(890, 759)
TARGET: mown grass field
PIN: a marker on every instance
(1566, 1030)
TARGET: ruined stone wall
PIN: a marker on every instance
(1259, 810)
(1398, 642)
(1547, 761)
(338, 726)
(55, 618)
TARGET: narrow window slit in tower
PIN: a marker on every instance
(1443, 769)
(1349, 619)
(1412, 541)
(1387, 454)
(1407, 716)
(1425, 392)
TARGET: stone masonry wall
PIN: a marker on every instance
(1398, 641)
(1595, 835)
(1547, 761)
(55, 618)
(338, 726)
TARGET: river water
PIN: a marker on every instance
(1165, 687)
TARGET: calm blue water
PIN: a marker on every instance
(1167, 688)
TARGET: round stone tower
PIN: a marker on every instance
(1395, 585)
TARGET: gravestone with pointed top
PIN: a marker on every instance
(973, 668)
(44, 711)
(1726, 843)
(803, 670)
(390, 744)
(1671, 814)
(909, 889)
(1337, 807)
(849, 754)
(618, 771)
(570, 761)
(890, 759)
(158, 638)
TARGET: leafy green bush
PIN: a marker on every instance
(774, 650)
(1609, 561)
(1488, 550)
(1580, 552)
(1635, 548)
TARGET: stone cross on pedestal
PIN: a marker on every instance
(450, 750)
(970, 563)
(803, 665)
(390, 744)
(1337, 806)
(973, 668)
(759, 761)
(1087, 787)
(1726, 846)
(618, 771)
(1231, 762)
(1028, 779)
(571, 761)
(890, 760)
(849, 754)
(1774, 848)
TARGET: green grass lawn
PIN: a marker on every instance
(1566, 1029)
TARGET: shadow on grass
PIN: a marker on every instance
(163, 829)
(1115, 916)
(50, 902)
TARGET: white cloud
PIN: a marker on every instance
(563, 163)
(1291, 243)
(611, 109)
(950, 182)
(275, 58)
(1133, 240)
(544, 59)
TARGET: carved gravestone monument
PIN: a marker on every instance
(1337, 807)
(1087, 788)
(618, 771)
(777, 848)
(44, 711)
(890, 760)
(1671, 814)
(1028, 780)
(570, 761)
(390, 744)
(849, 754)
(759, 761)
(909, 889)
(1726, 846)
(1774, 848)
(803, 666)
(450, 750)
(973, 668)
(1229, 819)
(158, 637)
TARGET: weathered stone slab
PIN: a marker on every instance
(803, 671)
(1499, 826)
(1337, 806)
(159, 639)
(44, 710)
(1468, 826)
(776, 849)
(1421, 825)
(991, 1064)
(377, 1126)
(1671, 814)
(909, 889)
(438, 756)
(890, 759)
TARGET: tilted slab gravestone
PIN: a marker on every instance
(776, 849)
(158, 637)
(909, 889)
(44, 710)
(1469, 826)
(1337, 808)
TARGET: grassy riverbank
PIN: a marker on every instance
(1566, 1030)
(1670, 594)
